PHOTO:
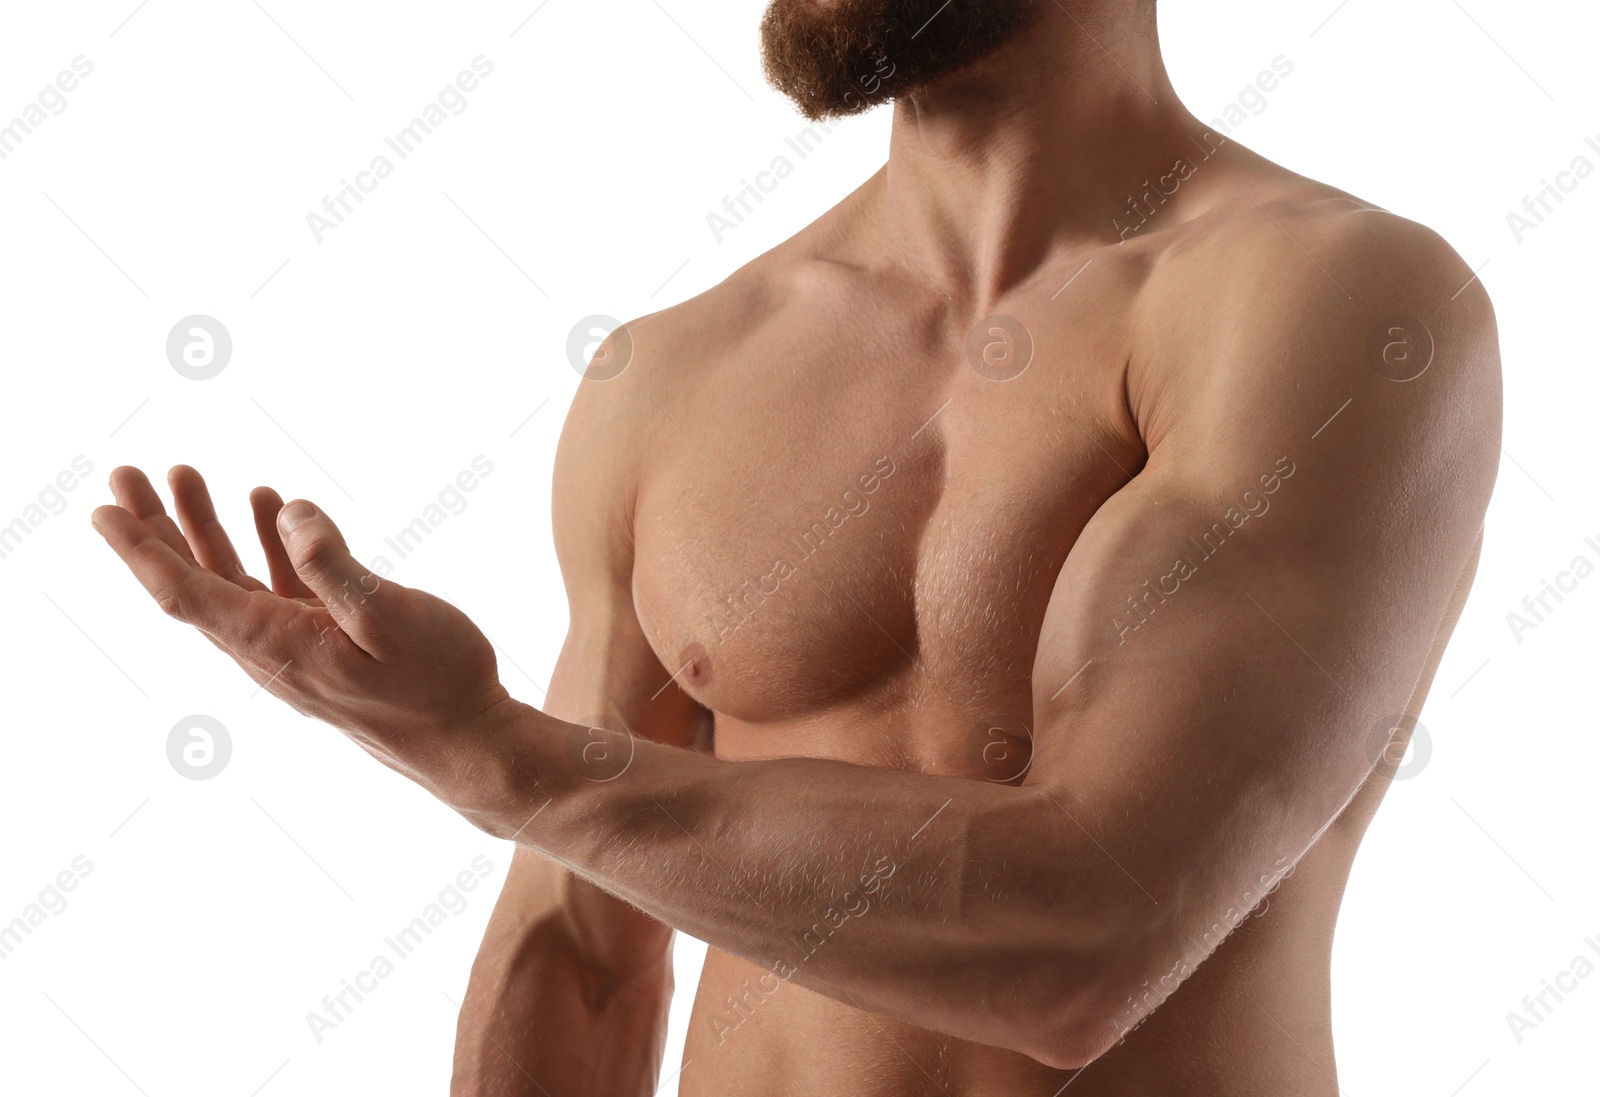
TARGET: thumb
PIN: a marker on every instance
(349, 590)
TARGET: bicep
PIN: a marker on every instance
(1234, 627)
(607, 670)
(1206, 672)
(606, 681)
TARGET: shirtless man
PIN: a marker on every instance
(1007, 582)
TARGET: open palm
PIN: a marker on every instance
(405, 674)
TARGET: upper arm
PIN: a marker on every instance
(565, 966)
(1237, 620)
(607, 667)
(606, 674)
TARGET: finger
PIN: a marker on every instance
(180, 587)
(133, 493)
(359, 603)
(266, 504)
(205, 534)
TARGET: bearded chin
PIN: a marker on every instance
(834, 58)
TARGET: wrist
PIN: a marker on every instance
(500, 795)
(533, 787)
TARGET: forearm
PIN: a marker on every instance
(568, 994)
(963, 906)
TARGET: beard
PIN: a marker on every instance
(841, 57)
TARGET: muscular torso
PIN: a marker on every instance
(846, 534)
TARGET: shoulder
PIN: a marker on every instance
(1285, 292)
(648, 375)
(655, 360)
(1282, 240)
(1290, 320)
(663, 357)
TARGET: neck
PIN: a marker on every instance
(1033, 150)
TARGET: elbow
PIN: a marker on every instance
(1073, 1041)
(1053, 1008)
(1080, 1017)
(1059, 1049)
(1084, 960)
(1084, 1018)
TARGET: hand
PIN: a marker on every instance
(404, 674)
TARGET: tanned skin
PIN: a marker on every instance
(899, 900)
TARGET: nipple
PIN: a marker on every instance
(694, 665)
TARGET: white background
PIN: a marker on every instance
(372, 367)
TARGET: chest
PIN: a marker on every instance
(871, 521)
